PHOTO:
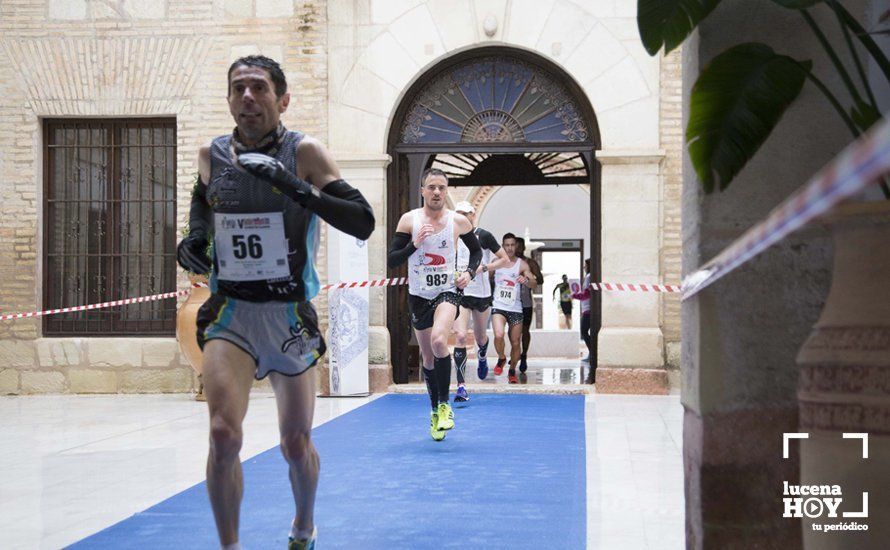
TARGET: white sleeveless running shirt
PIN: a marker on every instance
(507, 288)
(431, 267)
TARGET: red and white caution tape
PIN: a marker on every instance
(183, 292)
(395, 281)
(859, 165)
(124, 302)
(627, 287)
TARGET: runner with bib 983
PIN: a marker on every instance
(426, 238)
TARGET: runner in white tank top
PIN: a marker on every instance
(507, 306)
(431, 267)
(476, 302)
(427, 239)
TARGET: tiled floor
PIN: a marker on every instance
(634, 472)
(71, 465)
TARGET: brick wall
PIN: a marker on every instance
(91, 58)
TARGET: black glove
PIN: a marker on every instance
(192, 254)
(269, 169)
(340, 204)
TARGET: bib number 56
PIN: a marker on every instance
(251, 246)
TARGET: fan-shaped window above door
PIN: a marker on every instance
(494, 99)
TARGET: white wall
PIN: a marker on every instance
(549, 212)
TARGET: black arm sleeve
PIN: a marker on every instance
(487, 240)
(400, 249)
(475, 249)
(339, 204)
(200, 213)
(344, 207)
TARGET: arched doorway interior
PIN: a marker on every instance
(489, 116)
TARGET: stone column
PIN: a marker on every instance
(631, 345)
(368, 174)
(741, 335)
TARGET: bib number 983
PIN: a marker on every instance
(437, 279)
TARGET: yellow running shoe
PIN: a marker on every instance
(436, 433)
(446, 416)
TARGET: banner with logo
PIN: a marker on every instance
(348, 315)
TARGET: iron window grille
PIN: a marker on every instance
(109, 224)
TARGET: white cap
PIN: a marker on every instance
(464, 206)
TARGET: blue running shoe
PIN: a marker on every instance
(461, 395)
(302, 544)
(482, 368)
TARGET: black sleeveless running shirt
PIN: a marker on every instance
(234, 191)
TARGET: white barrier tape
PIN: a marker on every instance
(861, 164)
(395, 281)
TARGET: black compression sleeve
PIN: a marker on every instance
(475, 249)
(400, 249)
(200, 213)
(344, 207)
(487, 240)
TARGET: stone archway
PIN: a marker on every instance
(491, 116)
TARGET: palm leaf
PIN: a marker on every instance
(668, 22)
(735, 104)
(864, 115)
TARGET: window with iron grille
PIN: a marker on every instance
(109, 224)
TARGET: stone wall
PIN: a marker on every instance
(91, 58)
(597, 45)
(93, 365)
(672, 142)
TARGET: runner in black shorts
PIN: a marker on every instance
(507, 306)
(476, 301)
(528, 303)
(427, 239)
(565, 299)
(259, 189)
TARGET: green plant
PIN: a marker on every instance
(742, 93)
